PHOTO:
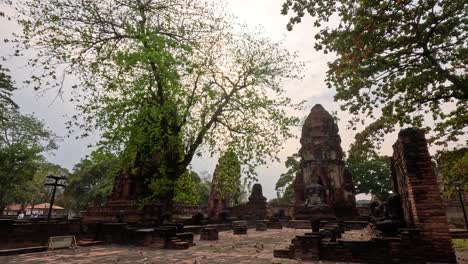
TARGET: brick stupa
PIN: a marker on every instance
(322, 164)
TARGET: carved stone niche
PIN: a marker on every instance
(322, 164)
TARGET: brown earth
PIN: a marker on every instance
(255, 247)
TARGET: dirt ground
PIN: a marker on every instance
(255, 247)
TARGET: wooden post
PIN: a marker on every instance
(52, 199)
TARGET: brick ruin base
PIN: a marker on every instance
(414, 179)
(18, 234)
(426, 237)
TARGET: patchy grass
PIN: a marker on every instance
(460, 243)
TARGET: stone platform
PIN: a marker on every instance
(256, 247)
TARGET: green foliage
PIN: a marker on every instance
(284, 185)
(163, 80)
(228, 175)
(371, 175)
(6, 90)
(18, 165)
(397, 63)
(26, 130)
(187, 188)
(23, 139)
(453, 167)
(205, 188)
(37, 192)
(91, 181)
(459, 243)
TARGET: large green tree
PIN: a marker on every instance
(36, 192)
(163, 81)
(91, 181)
(400, 62)
(371, 176)
(23, 140)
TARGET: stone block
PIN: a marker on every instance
(240, 230)
(261, 226)
(187, 237)
(143, 237)
(307, 247)
(209, 234)
(275, 225)
(114, 232)
(179, 244)
(282, 253)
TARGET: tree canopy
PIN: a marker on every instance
(91, 181)
(371, 176)
(227, 177)
(397, 62)
(6, 90)
(163, 81)
(284, 186)
(452, 168)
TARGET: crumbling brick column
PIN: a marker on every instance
(416, 182)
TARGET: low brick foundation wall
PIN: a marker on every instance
(16, 234)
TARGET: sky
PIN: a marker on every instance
(265, 13)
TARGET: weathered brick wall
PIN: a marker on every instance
(288, 208)
(133, 213)
(20, 235)
(416, 182)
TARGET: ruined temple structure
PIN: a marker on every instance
(257, 204)
(322, 165)
(121, 207)
(127, 187)
(255, 209)
(416, 207)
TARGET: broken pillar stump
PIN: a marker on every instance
(282, 253)
(239, 229)
(175, 243)
(261, 226)
(187, 237)
(209, 233)
(275, 225)
(307, 247)
(165, 233)
(143, 237)
(113, 232)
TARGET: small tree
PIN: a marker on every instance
(91, 181)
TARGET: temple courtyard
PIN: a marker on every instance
(255, 247)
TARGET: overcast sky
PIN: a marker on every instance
(251, 12)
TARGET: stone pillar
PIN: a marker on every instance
(415, 181)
